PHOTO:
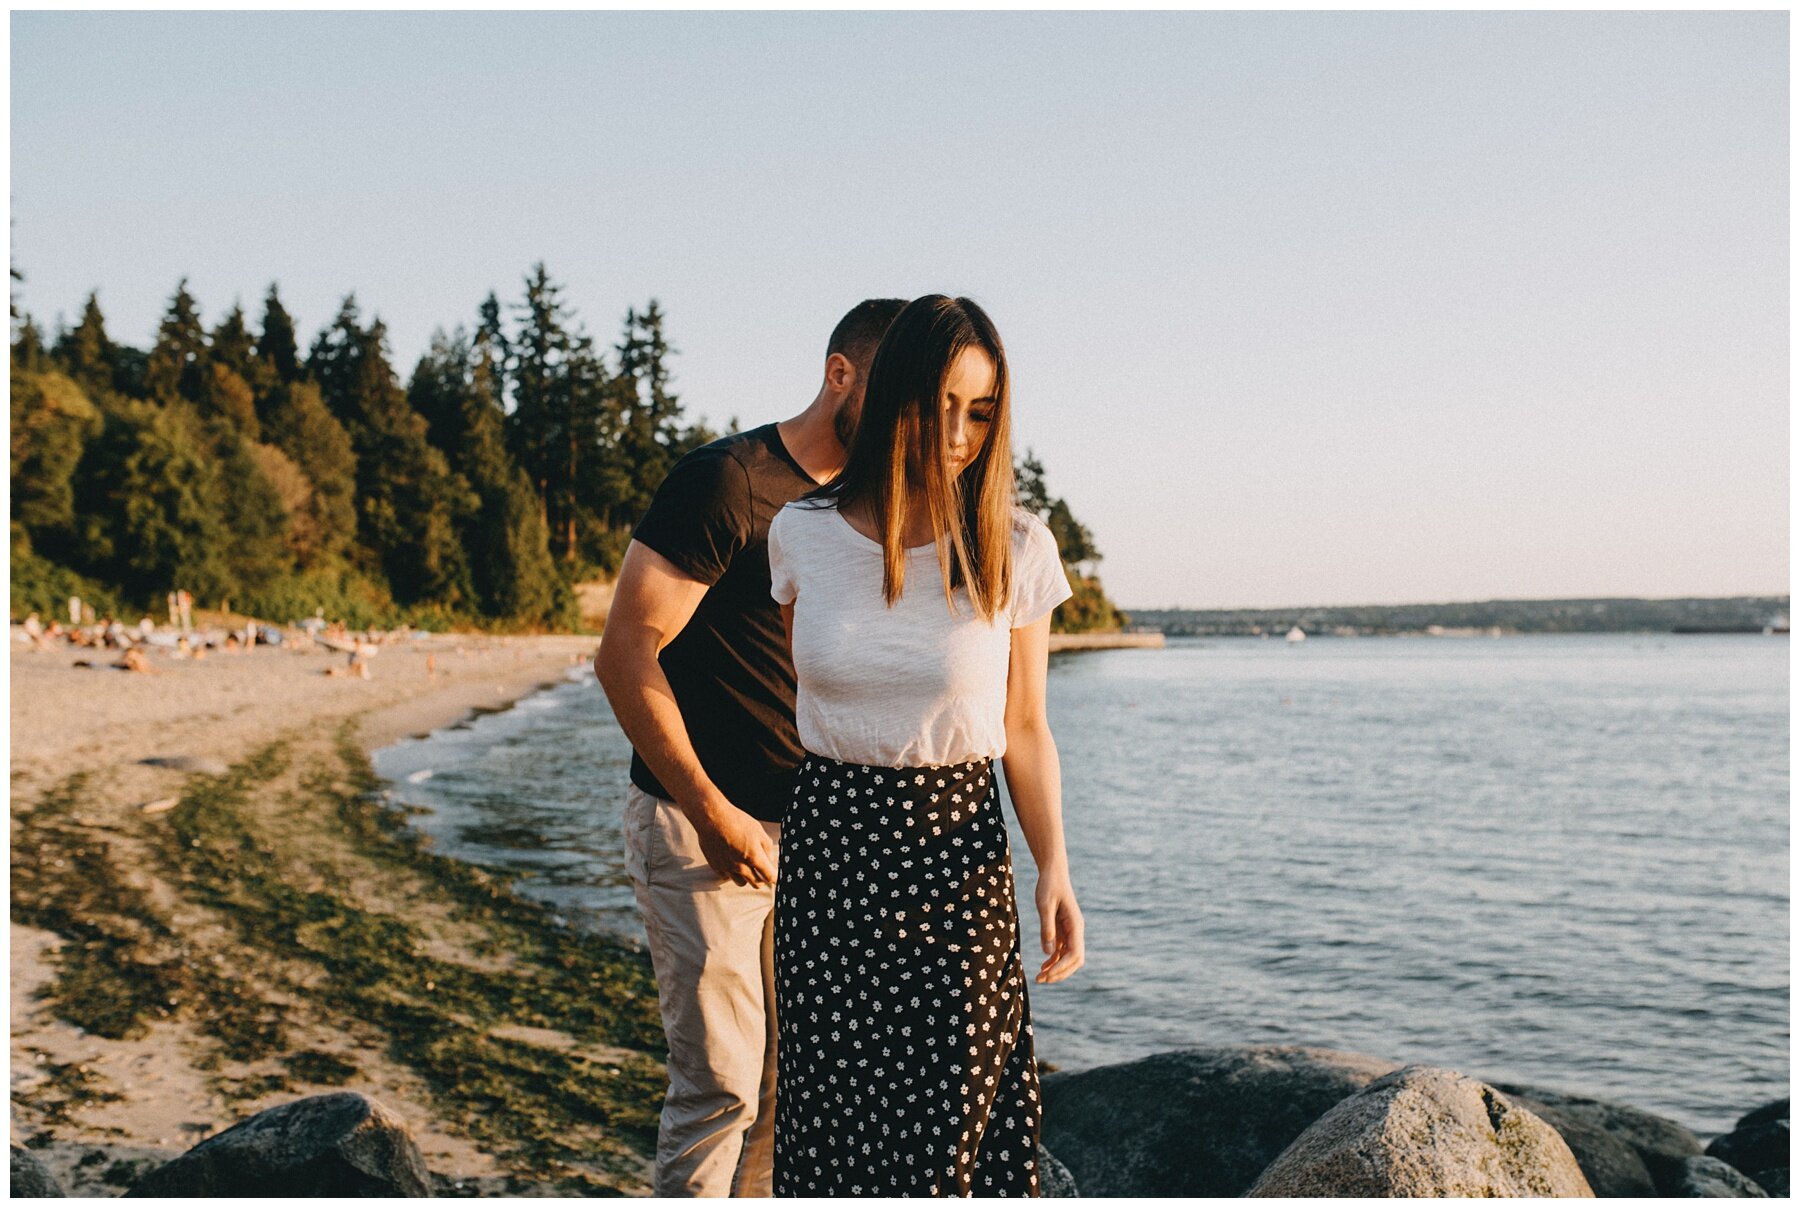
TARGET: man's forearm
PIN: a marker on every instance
(645, 706)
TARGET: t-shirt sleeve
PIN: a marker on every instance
(1039, 581)
(782, 583)
(700, 516)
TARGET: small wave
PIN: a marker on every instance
(420, 776)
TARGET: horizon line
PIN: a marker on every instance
(1784, 596)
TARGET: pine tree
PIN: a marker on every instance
(559, 396)
(492, 352)
(177, 364)
(86, 352)
(278, 345)
(645, 436)
(408, 500)
(232, 344)
(28, 352)
(505, 537)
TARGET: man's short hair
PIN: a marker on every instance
(858, 332)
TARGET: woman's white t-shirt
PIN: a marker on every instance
(911, 685)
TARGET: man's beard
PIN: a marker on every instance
(843, 424)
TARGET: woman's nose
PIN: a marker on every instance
(956, 431)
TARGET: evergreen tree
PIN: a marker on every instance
(644, 434)
(559, 396)
(177, 364)
(492, 352)
(408, 500)
(505, 537)
(232, 344)
(278, 346)
(28, 352)
(86, 352)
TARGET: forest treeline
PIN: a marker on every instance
(278, 477)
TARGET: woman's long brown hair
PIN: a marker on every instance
(896, 466)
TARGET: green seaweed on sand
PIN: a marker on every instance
(540, 1043)
(121, 966)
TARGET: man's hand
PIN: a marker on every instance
(736, 846)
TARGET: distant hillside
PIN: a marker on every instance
(1735, 614)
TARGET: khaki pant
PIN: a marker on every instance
(712, 943)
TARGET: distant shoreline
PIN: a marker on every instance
(1730, 614)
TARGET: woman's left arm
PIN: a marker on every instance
(1034, 781)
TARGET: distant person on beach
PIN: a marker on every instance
(917, 595)
(695, 662)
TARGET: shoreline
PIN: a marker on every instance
(281, 931)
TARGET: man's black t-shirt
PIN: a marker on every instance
(730, 669)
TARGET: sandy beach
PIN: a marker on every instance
(271, 929)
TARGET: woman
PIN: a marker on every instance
(918, 598)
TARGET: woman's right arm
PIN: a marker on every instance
(1034, 781)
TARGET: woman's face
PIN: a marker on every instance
(967, 408)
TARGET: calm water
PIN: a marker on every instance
(1551, 859)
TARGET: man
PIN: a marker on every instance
(694, 659)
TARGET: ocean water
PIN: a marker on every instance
(1550, 859)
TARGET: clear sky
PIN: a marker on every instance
(1301, 307)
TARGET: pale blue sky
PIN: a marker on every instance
(1301, 307)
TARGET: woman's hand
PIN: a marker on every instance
(1060, 920)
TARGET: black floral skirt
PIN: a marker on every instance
(904, 1061)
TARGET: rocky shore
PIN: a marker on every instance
(238, 972)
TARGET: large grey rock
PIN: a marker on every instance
(1758, 1147)
(1775, 1109)
(31, 1179)
(1613, 1168)
(1054, 1180)
(1663, 1145)
(342, 1144)
(1423, 1131)
(1195, 1122)
(1701, 1177)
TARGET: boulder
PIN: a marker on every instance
(1054, 1179)
(1612, 1168)
(1773, 1180)
(342, 1144)
(1758, 1147)
(1194, 1122)
(1661, 1144)
(1703, 1177)
(1776, 1109)
(1423, 1131)
(31, 1179)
